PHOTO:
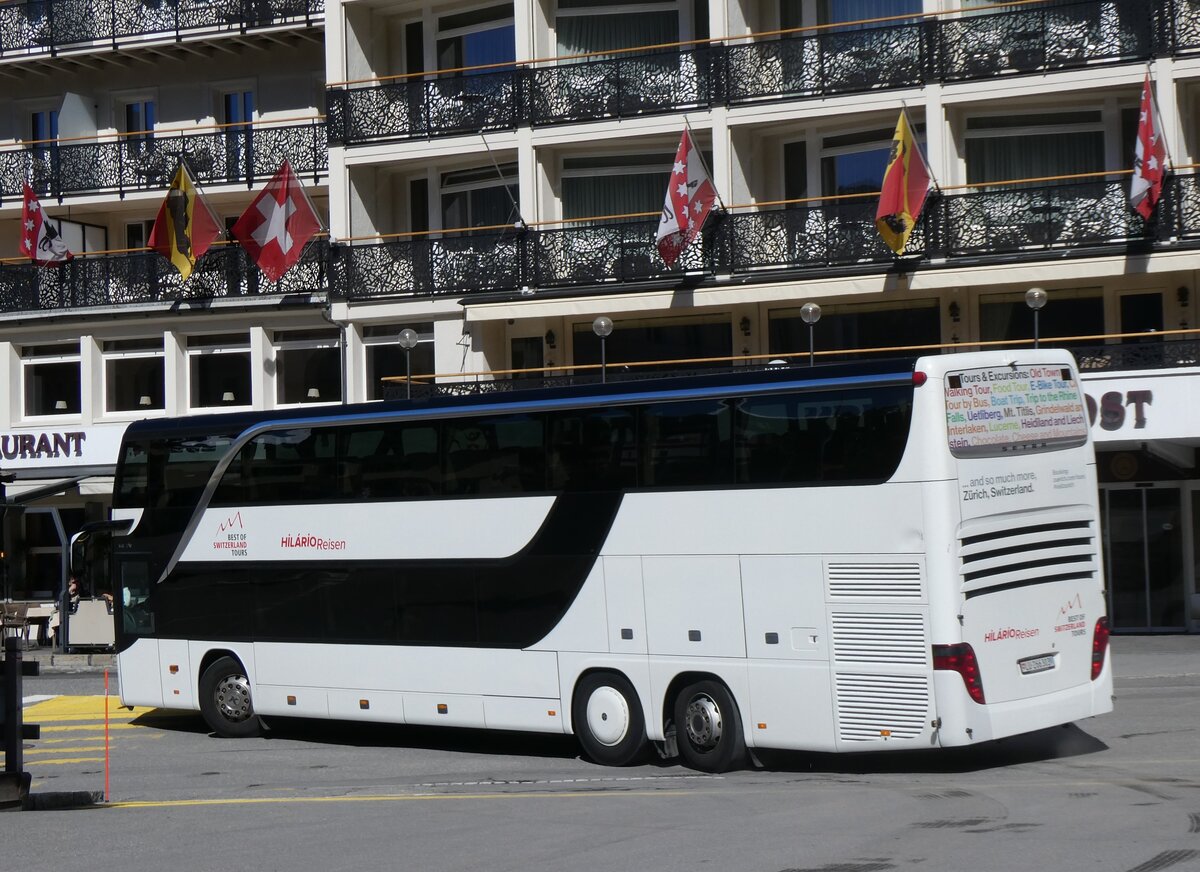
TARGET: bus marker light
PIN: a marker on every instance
(919, 378)
(364, 704)
(960, 658)
(291, 700)
(173, 668)
(1099, 646)
(443, 709)
(176, 692)
(762, 726)
(552, 713)
(887, 734)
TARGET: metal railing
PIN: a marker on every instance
(226, 153)
(1024, 37)
(807, 240)
(45, 27)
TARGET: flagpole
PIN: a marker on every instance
(908, 122)
(703, 162)
(516, 206)
(1158, 121)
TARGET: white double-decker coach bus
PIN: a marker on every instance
(881, 555)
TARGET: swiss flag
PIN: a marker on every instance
(40, 238)
(690, 197)
(1149, 158)
(278, 223)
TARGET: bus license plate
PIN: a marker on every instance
(1030, 665)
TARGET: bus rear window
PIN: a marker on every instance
(1013, 409)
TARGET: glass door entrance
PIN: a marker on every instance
(1143, 534)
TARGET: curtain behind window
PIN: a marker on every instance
(580, 34)
(592, 196)
(1003, 158)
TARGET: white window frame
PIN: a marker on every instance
(68, 356)
(194, 353)
(425, 336)
(132, 354)
(284, 345)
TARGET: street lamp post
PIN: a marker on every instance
(810, 314)
(602, 327)
(1035, 299)
(408, 341)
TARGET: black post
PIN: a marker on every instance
(13, 746)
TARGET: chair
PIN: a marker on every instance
(16, 621)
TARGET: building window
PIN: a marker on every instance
(664, 339)
(385, 357)
(853, 163)
(866, 11)
(51, 379)
(139, 120)
(586, 26)
(1075, 312)
(857, 327)
(479, 197)
(308, 366)
(137, 234)
(476, 38)
(795, 170)
(1022, 145)
(219, 370)
(134, 375)
(614, 185)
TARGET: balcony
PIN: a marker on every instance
(47, 27)
(809, 241)
(811, 63)
(147, 277)
(221, 155)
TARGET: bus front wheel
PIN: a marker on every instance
(607, 717)
(708, 728)
(225, 700)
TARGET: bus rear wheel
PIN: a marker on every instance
(708, 728)
(225, 700)
(607, 717)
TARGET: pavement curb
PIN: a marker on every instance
(63, 800)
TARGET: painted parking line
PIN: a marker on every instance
(424, 797)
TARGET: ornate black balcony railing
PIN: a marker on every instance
(809, 241)
(230, 154)
(147, 277)
(1025, 39)
(1137, 354)
(38, 27)
(623, 86)
(834, 62)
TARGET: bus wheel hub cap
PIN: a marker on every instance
(607, 716)
(233, 697)
(703, 722)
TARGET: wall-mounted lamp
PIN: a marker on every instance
(744, 324)
(314, 393)
(551, 339)
(954, 311)
(1182, 295)
(228, 397)
(145, 400)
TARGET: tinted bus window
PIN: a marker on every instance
(168, 472)
(687, 444)
(593, 449)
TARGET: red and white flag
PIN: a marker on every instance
(40, 238)
(690, 197)
(278, 224)
(1149, 158)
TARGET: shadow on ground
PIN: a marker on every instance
(1050, 744)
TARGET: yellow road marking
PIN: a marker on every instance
(64, 761)
(79, 750)
(295, 800)
(40, 742)
(73, 708)
(100, 727)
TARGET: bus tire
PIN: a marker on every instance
(225, 700)
(708, 728)
(607, 717)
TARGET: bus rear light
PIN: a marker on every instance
(960, 658)
(1099, 647)
(919, 378)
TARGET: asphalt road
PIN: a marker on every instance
(1119, 792)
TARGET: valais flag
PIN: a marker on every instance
(690, 197)
(278, 223)
(40, 239)
(1149, 159)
